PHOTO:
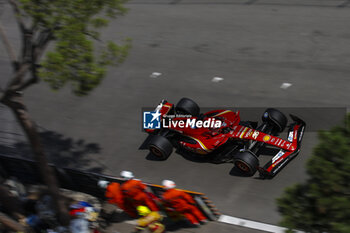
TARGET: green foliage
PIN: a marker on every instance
(77, 57)
(322, 203)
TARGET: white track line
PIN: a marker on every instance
(155, 75)
(285, 85)
(252, 224)
(217, 79)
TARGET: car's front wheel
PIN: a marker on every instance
(160, 147)
(246, 162)
(276, 118)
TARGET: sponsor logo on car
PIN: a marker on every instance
(266, 138)
(279, 142)
(283, 143)
(249, 133)
(290, 136)
(277, 156)
(255, 134)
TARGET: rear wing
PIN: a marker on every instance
(282, 157)
(163, 108)
(26, 171)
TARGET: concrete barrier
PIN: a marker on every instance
(26, 171)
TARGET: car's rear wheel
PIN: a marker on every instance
(276, 118)
(246, 162)
(187, 106)
(160, 147)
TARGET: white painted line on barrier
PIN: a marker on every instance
(243, 223)
(252, 224)
(217, 79)
(285, 85)
(155, 75)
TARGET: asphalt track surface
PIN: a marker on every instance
(255, 46)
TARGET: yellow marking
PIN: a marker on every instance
(221, 113)
(168, 106)
(242, 134)
(201, 144)
(161, 186)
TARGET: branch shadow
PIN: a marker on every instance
(60, 150)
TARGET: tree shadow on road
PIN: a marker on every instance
(61, 151)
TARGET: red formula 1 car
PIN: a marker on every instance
(223, 137)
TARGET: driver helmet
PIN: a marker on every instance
(102, 183)
(127, 175)
(168, 184)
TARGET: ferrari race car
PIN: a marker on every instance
(223, 137)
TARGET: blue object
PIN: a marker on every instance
(80, 204)
(32, 220)
(84, 204)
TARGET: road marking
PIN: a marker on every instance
(285, 85)
(243, 223)
(252, 224)
(155, 75)
(217, 79)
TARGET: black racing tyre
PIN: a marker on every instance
(160, 147)
(187, 106)
(246, 162)
(276, 118)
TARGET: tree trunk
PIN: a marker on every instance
(15, 103)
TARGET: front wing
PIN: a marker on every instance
(288, 149)
(295, 136)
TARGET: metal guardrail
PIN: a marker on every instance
(26, 171)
